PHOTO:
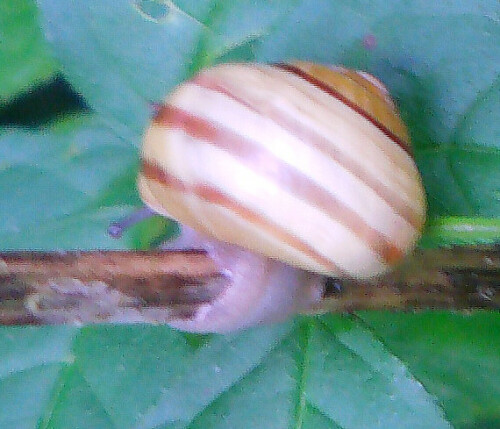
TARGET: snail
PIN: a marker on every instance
(287, 174)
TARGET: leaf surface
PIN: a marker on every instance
(25, 57)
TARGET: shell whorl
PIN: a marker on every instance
(305, 163)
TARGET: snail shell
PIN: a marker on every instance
(301, 162)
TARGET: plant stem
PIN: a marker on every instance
(115, 286)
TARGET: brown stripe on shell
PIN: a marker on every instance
(331, 91)
(285, 175)
(214, 196)
(391, 197)
(371, 85)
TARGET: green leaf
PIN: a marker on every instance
(31, 362)
(456, 357)
(24, 54)
(328, 372)
(62, 186)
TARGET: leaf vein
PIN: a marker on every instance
(243, 376)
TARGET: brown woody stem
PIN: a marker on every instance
(37, 287)
(459, 278)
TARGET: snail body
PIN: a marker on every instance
(306, 164)
(258, 289)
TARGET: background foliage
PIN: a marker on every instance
(75, 95)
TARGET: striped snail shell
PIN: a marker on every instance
(300, 162)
